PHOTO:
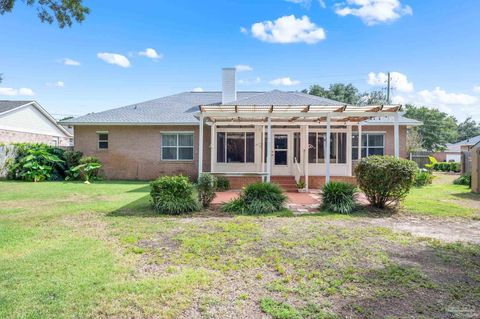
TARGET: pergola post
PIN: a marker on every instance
(212, 147)
(263, 152)
(349, 149)
(269, 149)
(200, 144)
(327, 151)
(359, 157)
(305, 157)
(396, 134)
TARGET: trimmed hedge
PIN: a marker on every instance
(385, 180)
(173, 195)
(447, 167)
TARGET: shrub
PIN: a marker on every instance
(95, 174)
(447, 167)
(257, 198)
(35, 163)
(455, 167)
(339, 197)
(72, 159)
(385, 179)
(223, 184)
(423, 177)
(432, 163)
(85, 171)
(173, 195)
(464, 180)
(206, 186)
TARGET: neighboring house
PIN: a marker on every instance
(227, 133)
(29, 122)
(453, 152)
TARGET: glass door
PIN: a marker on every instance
(280, 147)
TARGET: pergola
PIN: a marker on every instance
(306, 115)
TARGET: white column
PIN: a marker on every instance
(213, 136)
(269, 149)
(396, 135)
(327, 151)
(305, 156)
(349, 150)
(359, 157)
(200, 145)
(263, 151)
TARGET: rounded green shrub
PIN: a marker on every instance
(206, 186)
(423, 177)
(339, 197)
(257, 198)
(464, 180)
(223, 184)
(385, 180)
(173, 195)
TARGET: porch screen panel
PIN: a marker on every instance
(250, 147)
(235, 148)
(312, 147)
(296, 147)
(220, 147)
(342, 148)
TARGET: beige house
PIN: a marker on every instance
(246, 136)
(29, 122)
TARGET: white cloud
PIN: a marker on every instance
(243, 68)
(114, 58)
(58, 84)
(307, 3)
(442, 97)
(70, 62)
(322, 4)
(243, 30)
(476, 88)
(197, 89)
(286, 81)
(288, 29)
(373, 11)
(151, 53)
(249, 82)
(398, 81)
(16, 92)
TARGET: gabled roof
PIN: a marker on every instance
(6, 105)
(10, 105)
(456, 147)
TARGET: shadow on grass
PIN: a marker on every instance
(362, 211)
(138, 208)
(469, 196)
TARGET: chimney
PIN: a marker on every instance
(229, 92)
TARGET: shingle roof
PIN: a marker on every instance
(7, 105)
(456, 147)
(283, 98)
(174, 109)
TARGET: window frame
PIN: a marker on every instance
(177, 147)
(103, 140)
(365, 137)
(225, 148)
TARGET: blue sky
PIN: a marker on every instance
(432, 46)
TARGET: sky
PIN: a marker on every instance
(131, 51)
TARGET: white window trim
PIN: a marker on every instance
(355, 148)
(177, 146)
(98, 140)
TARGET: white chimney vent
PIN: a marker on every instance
(229, 91)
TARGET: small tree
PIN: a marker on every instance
(206, 186)
(385, 180)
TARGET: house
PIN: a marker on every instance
(247, 136)
(29, 122)
(453, 152)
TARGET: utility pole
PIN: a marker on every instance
(388, 88)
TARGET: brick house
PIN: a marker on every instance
(230, 133)
(29, 122)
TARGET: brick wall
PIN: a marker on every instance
(9, 137)
(134, 152)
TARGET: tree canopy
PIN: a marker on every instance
(64, 12)
(467, 129)
(347, 93)
(438, 127)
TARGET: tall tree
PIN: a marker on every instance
(438, 128)
(62, 11)
(346, 93)
(467, 129)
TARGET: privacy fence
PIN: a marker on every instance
(420, 157)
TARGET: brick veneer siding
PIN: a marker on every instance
(134, 152)
(9, 137)
(315, 182)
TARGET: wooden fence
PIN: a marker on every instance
(420, 157)
(466, 161)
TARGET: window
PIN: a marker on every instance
(177, 146)
(338, 148)
(372, 144)
(102, 140)
(235, 147)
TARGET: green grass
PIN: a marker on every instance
(443, 199)
(70, 250)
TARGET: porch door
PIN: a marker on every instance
(280, 160)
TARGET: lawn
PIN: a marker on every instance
(74, 250)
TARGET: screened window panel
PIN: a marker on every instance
(236, 148)
(221, 147)
(320, 148)
(342, 148)
(169, 140)
(185, 139)
(333, 147)
(296, 146)
(312, 147)
(250, 147)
